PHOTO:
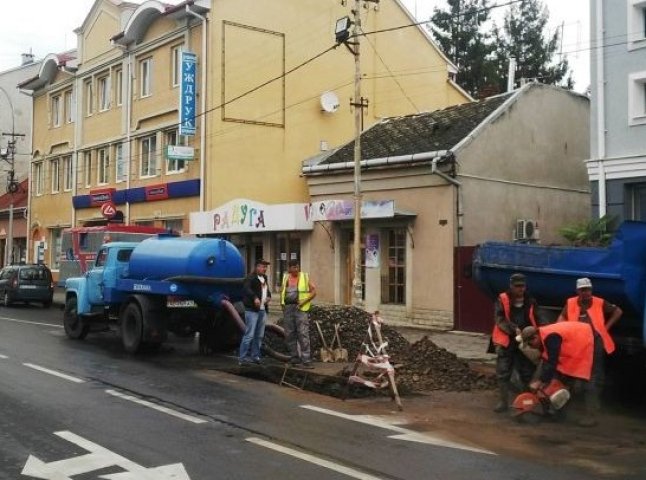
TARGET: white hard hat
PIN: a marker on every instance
(583, 283)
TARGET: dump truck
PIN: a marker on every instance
(618, 274)
(129, 283)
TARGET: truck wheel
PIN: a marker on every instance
(132, 327)
(75, 327)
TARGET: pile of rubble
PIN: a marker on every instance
(422, 366)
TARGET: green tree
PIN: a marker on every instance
(524, 38)
(597, 232)
(459, 30)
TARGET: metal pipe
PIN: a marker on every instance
(601, 110)
(377, 162)
(203, 90)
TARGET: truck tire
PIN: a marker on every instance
(132, 327)
(75, 327)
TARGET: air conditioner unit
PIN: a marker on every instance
(526, 230)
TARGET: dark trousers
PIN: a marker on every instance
(510, 358)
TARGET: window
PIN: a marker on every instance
(38, 178)
(104, 93)
(394, 269)
(636, 24)
(87, 168)
(176, 225)
(120, 163)
(148, 156)
(146, 77)
(103, 166)
(89, 98)
(173, 166)
(118, 86)
(56, 111)
(54, 168)
(69, 107)
(637, 98)
(176, 61)
(68, 173)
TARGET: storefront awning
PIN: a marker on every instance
(341, 210)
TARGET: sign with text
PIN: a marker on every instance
(238, 216)
(101, 195)
(187, 88)
(155, 192)
(180, 152)
(328, 210)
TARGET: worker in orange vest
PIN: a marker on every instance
(602, 316)
(514, 310)
(567, 352)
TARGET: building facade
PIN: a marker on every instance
(617, 166)
(435, 185)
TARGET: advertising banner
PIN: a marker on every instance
(187, 89)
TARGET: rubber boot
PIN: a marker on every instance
(592, 407)
(503, 403)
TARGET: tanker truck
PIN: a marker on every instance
(129, 283)
(618, 274)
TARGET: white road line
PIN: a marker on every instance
(401, 433)
(15, 320)
(350, 472)
(3, 357)
(54, 372)
(146, 403)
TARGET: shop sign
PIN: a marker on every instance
(180, 152)
(100, 196)
(240, 216)
(156, 192)
(328, 210)
(187, 94)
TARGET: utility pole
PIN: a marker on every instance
(353, 43)
(12, 187)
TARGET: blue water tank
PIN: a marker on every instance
(165, 256)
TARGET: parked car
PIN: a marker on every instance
(26, 283)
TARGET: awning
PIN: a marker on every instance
(343, 210)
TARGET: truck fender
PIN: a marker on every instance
(153, 310)
(78, 288)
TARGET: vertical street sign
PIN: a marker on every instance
(187, 94)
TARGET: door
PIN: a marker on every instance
(473, 309)
(95, 278)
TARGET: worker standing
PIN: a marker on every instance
(602, 316)
(296, 297)
(514, 310)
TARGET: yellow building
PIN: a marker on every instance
(272, 90)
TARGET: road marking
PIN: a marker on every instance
(98, 458)
(402, 433)
(54, 372)
(28, 322)
(350, 472)
(146, 403)
(3, 357)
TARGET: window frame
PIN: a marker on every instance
(55, 174)
(637, 98)
(145, 72)
(394, 268)
(119, 161)
(636, 27)
(87, 168)
(103, 87)
(148, 155)
(103, 166)
(38, 176)
(56, 110)
(89, 97)
(68, 173)
(167, 139)
(118, 90)
(69, 106)
(176, 63)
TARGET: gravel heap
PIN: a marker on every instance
(422, 366)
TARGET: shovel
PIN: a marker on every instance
(326, 353)
(340, 354)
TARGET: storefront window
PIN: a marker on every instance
(288, 248)
(394, 290)
(54, 261)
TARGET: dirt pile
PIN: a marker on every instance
(422, 366)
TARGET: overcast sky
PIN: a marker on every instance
(47, 26)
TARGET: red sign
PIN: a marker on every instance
(108, 210)
(100, 196)
(156, 192)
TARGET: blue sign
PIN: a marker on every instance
(187, 86)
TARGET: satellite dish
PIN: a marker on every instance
(329, 102)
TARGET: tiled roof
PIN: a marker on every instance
(19, 198)
(422, 132)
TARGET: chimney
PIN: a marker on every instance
(27, 58)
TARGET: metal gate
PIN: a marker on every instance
(473, 310)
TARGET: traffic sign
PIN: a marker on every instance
(108, 210)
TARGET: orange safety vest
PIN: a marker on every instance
(595, 312)
(499, 337)
(577, 348)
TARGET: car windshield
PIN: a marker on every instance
(35, 273)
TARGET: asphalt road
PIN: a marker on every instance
(87, 410)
